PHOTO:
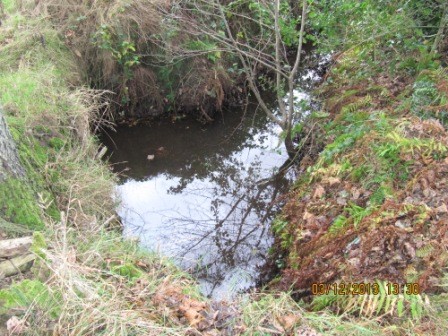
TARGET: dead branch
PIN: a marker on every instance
(14, 247)
(16, 265)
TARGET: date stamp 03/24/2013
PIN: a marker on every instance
(362, 288)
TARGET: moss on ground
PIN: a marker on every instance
(19, 204)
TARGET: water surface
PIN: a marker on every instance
(204, 198)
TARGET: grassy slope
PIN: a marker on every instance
(88, 280)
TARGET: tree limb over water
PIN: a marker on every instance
(253, 49)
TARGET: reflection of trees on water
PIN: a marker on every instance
(191, 149)
(234, 233)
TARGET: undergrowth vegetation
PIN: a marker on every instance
(128, 48)
(87, 280)
(371, 209)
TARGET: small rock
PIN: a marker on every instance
(150, 157)
(341, 201)
(410, 251)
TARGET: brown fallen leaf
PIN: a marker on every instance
(142, 264)
(356, 193)
(441, 209)
(319, 192)
(193, 317)
(427, 160)
(191, 309)
(333, 180)
(288, 321)
(307, 215)
(15, 326)
(431, 176)
(410, 250)
(424, 183)
(341, 201)
(309, 218)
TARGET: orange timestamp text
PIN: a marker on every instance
(363, 288)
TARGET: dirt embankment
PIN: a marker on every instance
(150, 65)
(373, 205)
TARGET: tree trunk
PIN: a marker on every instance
(289, 145)
(10, 167)
(9, 159)
(442, 25)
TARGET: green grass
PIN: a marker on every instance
(9, 5)
(87, 276)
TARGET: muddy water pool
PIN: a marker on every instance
(202, 194)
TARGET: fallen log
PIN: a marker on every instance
(13, 228)
(16, 265)
(14, 247)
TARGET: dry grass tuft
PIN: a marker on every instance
(204, 90)
(110, 40)
(95, 297)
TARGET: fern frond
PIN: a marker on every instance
(357, 105)
(339, 224)
(411, 274)
(382, 303)
(424, 251)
